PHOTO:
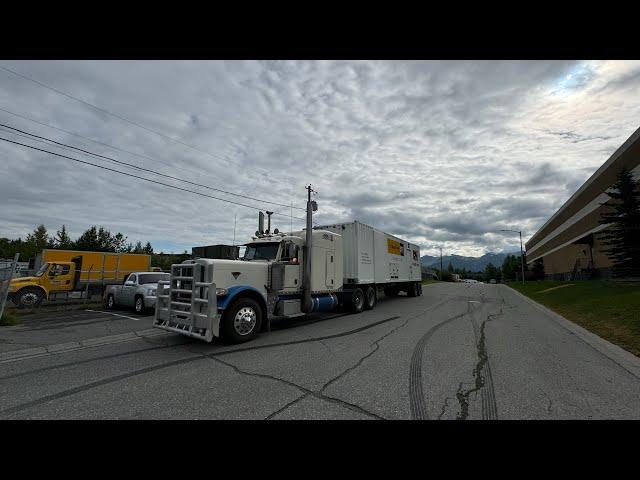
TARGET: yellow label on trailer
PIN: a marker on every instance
(394, 247)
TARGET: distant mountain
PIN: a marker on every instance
(472, 264)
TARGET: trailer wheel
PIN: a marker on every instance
(30, 297)
(356, 305)
(242, 321)
(412, 291)
(371, 298)
(420, 289)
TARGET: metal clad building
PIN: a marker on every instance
(568, 242)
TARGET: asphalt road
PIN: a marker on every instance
(460, 351)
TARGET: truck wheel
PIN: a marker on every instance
(139, 305)
(420, 289)
(241, 322)
(370, 298)
(357, 301)
(412, 291)
(29, 297)
(110, 303)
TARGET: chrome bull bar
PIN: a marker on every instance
(189, 305)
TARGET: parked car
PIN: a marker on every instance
(138, 291)
(493, 280)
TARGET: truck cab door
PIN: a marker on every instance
(129, 290)
(290, 257)
(60, 277)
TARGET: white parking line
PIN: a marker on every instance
(114, 314)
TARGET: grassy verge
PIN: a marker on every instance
(427, 282)
(8, 318)
(611, 310)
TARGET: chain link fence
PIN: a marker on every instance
(7, 272)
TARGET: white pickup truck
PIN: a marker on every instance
(138, 291)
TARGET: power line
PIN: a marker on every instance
(141, 178)
(64, 145)
(118, 116)
(118, 148)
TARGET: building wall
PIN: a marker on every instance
(555, 241)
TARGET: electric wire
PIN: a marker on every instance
(143, 178)
(64, 145)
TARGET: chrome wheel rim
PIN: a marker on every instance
(139, 305)
(110, 302)
(29, 298)
(245, 321)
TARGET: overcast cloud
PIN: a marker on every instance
(440, 153)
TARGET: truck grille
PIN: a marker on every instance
(186, 307)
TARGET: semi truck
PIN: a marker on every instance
(285, 275)
(62, 273)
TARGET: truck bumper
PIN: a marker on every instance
(196, 317)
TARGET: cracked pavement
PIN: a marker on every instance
(458, 352)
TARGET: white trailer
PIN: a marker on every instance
(287, 275)
(371, 256)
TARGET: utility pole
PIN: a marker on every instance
(521, 257)
(440, 262)
(519, 232)
(235, 221)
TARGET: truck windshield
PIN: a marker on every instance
(43, 268)
(152, 278)
(261, 251)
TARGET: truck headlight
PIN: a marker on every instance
(152, 292)
(221, 291)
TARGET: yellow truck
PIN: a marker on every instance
(61, 273)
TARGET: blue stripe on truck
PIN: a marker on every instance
(224, 301)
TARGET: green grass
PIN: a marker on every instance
(609, 309)
(427, 282)
(8, 318)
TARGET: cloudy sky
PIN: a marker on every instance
(438, 152)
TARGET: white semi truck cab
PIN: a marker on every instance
(236, 299)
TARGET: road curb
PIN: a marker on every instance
(619, 355)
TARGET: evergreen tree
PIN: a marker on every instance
(449, 268)
(138, 248)
(538, 269)
(119, 243)
(62, 240)
(148, 249)
(622, 238)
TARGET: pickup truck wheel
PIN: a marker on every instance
(29, 297)
(110, 303)
(357, 301)
(370, 298)
(242, 321)
(139, 305)
(412, 291)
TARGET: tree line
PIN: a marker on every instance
(94, 239)
(509, 271)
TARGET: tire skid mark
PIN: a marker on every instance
(483, 381)
(416, 391)
(150, 369)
